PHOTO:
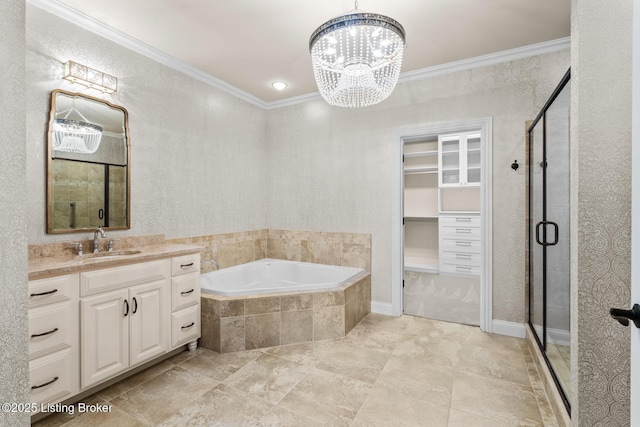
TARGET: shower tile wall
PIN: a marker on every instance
(82, 184)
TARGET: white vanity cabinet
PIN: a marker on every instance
(53, 338)
(124, 314)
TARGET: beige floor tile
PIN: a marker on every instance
(60, 418)
(268, 377)
(127, 384)
(223, 406)
(307, 354)
(368, 335)
(463, 419)
(496, 362)
(435, 351)
(417, 380)
(114, 418)
(326, 397)
(509, 403)
(157, 399)
(280, 417)
(359, 363)
(219, 366)
(384, 408)
(389, 371)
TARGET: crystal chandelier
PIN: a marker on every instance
(357, 57)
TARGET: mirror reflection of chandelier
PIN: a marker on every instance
(75, 136)
(357, 58)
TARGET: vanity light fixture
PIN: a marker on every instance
(357, 57)
(78, 73)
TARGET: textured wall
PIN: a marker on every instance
(197, 153)
(332, 168)
(13, 226)
(601, 168)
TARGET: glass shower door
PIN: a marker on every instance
(549, 240)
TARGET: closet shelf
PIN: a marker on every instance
(421, 264)
(422, 218)
(422, 154)
(421, 169)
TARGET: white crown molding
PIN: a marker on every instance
(88, 23)
(486, 60)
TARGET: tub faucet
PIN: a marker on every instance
(96, 238)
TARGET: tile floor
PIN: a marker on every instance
(387, 371)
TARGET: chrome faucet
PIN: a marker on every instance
(96, 238)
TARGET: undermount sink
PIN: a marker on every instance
(112, 254)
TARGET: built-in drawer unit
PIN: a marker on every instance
(185, 299)
(53, 338)
(460, 244)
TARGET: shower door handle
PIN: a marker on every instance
(538, 233)
(555, 228)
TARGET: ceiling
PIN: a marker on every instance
(251, 43)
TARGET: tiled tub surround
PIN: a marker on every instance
(230, 249)
(244, 323)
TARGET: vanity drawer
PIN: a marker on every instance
(51, 378)
(51, 327)
(185, 291)
(185, 325)
(52, 290)
(185, 264)
(107, 279)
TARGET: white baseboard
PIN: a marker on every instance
(381, 308)
(510, 329)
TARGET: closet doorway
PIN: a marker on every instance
(444, 235)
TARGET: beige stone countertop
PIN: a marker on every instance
(54, 266)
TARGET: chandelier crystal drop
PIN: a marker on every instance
(357, 58)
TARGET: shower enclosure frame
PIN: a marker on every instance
(540, 230)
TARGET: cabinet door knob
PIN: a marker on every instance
(126, 308)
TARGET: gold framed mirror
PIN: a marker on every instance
(88, 164)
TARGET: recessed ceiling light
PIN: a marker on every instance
(279, 85)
